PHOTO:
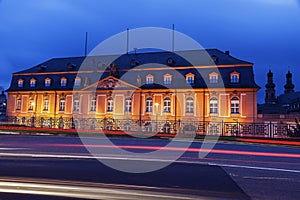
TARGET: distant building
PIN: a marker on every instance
(54, 92)
(282, 108)
(3, 102)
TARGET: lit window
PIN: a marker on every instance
(19, 103)
(63, 82)
(128, 105)
(77, 81)
(149, 79)
(31, 104)
(93, 104)
(149, 103)
(190, 78)
(46, 104)
(213, 105)
(189, 106)
(20, 83)
(47, 82)
(110, 104)
(76, 105)
(32, 82)
(167, 105)
(62, 104)
(213, 77)
(235, 104)
(167, 79)
(234, 77)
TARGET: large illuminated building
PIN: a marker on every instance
(154, 91)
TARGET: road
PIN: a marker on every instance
(62, 166)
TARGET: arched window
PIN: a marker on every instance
(110, 104)
(128, 105)
(63, 82)
(149, 103)
(167, 105)
(235, 105)
(189, 105)
(213, 105)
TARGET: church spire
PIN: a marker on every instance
(289, 86)
(270, 97)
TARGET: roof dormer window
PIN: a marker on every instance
(190, 78)
(213, 77)
(167, 79)
(63, 82)
(32, 82)
(215, 58)
(47, 82)
(149, 79)
(77, 81)
(20, 83)
(170, 61)
(234, 77)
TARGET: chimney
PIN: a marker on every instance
(227, 52)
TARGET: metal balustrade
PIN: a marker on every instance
(270, 129)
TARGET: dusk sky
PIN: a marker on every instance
(264, 32)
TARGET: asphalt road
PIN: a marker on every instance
(230, 170)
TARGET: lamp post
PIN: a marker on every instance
(156, 110)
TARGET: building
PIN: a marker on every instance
(282, 108)
(3, 102)
(154, 91)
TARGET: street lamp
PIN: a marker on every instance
(156, 110)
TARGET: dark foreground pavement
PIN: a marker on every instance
(194, 180)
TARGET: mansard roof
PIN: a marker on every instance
(95, 68)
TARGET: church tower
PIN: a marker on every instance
(270, 97)
(289, 86)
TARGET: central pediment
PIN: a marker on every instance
(110, 82)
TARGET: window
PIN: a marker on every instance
(20, 83)
(213, 105)
(190, 78)
(93, 104)
(214, 58)
(19, 103)
(46, 104)
(213, 77)
(149, 79)
(167, 105)
(77, 81)
(149, 103)
(128, 105)
(170, 61)
(32, 82)
(76, 105)
(47, 82)
(189, 105)
(63, 82)
(110, 104)
(234, 77)
(31, 104)
(235, 105)
(62, 104)
(167, 79)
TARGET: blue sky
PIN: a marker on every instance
(265, 32)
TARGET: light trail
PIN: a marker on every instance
(196, 150)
